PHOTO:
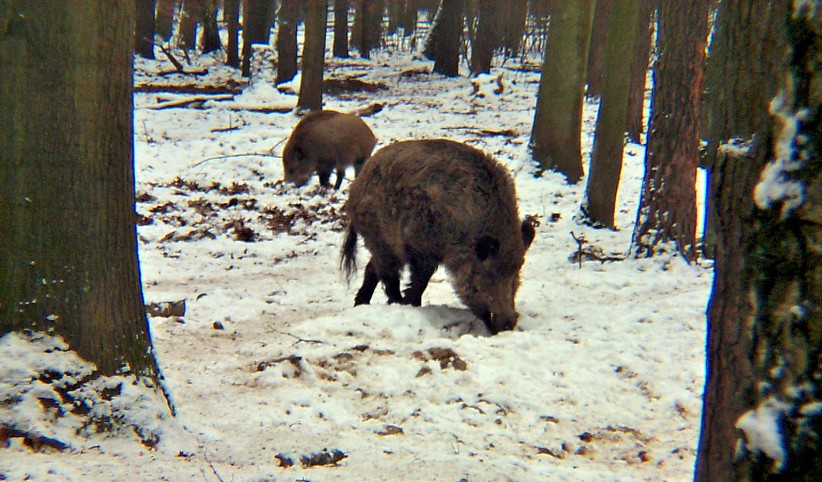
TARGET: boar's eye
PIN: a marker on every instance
(486, 247)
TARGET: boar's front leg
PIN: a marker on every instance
(340, 177)
(422, 268)
(324, 176)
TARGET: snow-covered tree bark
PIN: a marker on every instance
(762, 418)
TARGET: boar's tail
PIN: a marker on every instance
(348, 256)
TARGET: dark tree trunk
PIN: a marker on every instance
(443, 44)
(341, 28)
(287, 40)
(408, 20)
(311, 82)
(256, 29)
(211, 34)
(555, 137)
(395, 11)
(596, 52)
(609, 142)
(486, 36)
(738, 68)
(164, 22)
(69, 243)
(144, 30)
(667, 210)
(764, 339)
(640, 60)
(232, 18)
(189, 16)
(368, 26)
(515, 16)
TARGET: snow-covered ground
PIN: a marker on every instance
(271, 363)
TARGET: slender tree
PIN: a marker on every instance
(69, 243)
(164, 21)
(596, 51)
(513, 27)
(486, 35)
(341, 28)
(311, 84)
(144, 30)
(555, 137)
(609, 142)
(640, 60)
(408, 20)
(287, 40)
(211, 34)
(368, 26)
(256, 29)
(667, 211)
(187, 29)
(231, 13)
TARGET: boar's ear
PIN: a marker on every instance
(528, 230)
(486, 247)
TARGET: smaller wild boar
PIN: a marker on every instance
(325, 140)
(426, 203)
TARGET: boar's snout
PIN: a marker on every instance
(497, 322)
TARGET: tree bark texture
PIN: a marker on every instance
(667, 211)
(408, 19)
(287, 40)
(748, 46)
(640, 60)
(311, 82)
(144, 29)
(341, 28)
(211, 34)
(555, 137)
(596, 51)
(257, 29)
(609, 142)
(189, 17)
(368, 26)
(516, 13)
(443, 44)
(164, 21)
(231, 13)
(486, 36)
(780, 265)
(69, 243)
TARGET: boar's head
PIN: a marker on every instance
(298, 170)
(488, 280)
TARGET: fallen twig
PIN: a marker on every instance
(188, 101)
(299, 339)
(205, 456)
(580, 242)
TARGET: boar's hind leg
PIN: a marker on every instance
(340, 177)
(422, 268)
(390, 277)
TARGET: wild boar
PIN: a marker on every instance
(425, 203)
(324, 140)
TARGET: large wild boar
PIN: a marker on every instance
(324, 140)
(426, 203)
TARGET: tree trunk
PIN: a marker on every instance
(341, 28)
(596, 52)
(256, 29)
(516, 14)
(609, 142)
(287, 40)
(761, 417)
(486, 36)
(555, 137)
(368, 26)
(69, 246)
(639, 71)
(189, 16)
(231, 13)
(144, 30)
(443, 44)
(211, 34)
(311, 82)
(164, 21)
(408, 20)
(737, 69)
(667, 210)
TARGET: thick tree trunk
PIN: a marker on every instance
(596, 51)
(667, 211)
(232, 18)
(761, 418)
(747, 47)
(486, 36)
(341, 28)
(408, 20)
(555, 137)
(311, 83)
(287, 40)
(640, 60)
(144, 30)
(256, 29)
(443, 43)
(164, 21)
(368, 26)
(516, 13)
(189, 17)
(69, 243)
(211, 34)
(606, 159)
